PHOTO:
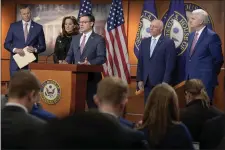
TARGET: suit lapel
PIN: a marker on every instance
(199, 40)
(157, 46)
(31, 32)
(88, 44)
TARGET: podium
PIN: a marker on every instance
(179, 88)
(64, 86)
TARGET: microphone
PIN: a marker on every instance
(46, 60)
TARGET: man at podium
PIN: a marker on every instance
(88, 48)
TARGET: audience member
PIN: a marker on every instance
(89, 130)
(111, 98)
(198, 110)
(160, 122)
(18, 126)
(36, 110)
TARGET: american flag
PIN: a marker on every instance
(85, 7)
(117, 63)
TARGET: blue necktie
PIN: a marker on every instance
(152, 47)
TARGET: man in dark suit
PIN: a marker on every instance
(156, 60)
(24, 34)
(112, 97)
(17, 125)
(204, 53)
(88, 48)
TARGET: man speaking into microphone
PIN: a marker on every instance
(88, 48)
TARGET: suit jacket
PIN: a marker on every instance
(176, 137)
(90, 130)
(212, 132)
(194, 115)
(126, 122)
(160, 66)
(36, 110)
(206, 60)
(94, 51)
(15, 39)
(18, 127)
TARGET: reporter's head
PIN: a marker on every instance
(24, 88)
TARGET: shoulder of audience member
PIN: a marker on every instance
(36, 120)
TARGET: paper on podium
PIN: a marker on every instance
(23, 61)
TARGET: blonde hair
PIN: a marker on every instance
(161, 111)
(197, 88)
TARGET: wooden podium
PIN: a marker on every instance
(64, 86)
(179, 88)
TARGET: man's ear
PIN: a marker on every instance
(96, 100)
(31, 95)
(92, 24)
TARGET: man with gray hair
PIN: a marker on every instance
(204, 53)
(156, 60)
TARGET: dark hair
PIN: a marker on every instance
(24, 6)
(75, 30)
(90, 16)
(22, 83)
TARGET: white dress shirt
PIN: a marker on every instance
(87, 37)
(28, 29)
(154, 38)
(199, 32)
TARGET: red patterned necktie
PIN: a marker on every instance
(25, 31)
(194, 43)
(82, 44)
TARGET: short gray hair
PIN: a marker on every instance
(203, 15)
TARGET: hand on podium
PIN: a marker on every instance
(63, 62)
(86, 62)
(141, 85)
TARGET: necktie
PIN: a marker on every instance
(152, 47)
(25, 31)
(82, 44)
(194, 43)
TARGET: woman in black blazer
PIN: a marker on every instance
(70, 27)
(160, 122)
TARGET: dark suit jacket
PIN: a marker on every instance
(160, 66)
(194, 115)
(212, 132)
(126, 122)
(18, 127)
(36, 110)
(177, 137)
(94, 50)
(90, 130)
(207, 58)
(15, 39)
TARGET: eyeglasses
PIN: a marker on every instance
(83, 22)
